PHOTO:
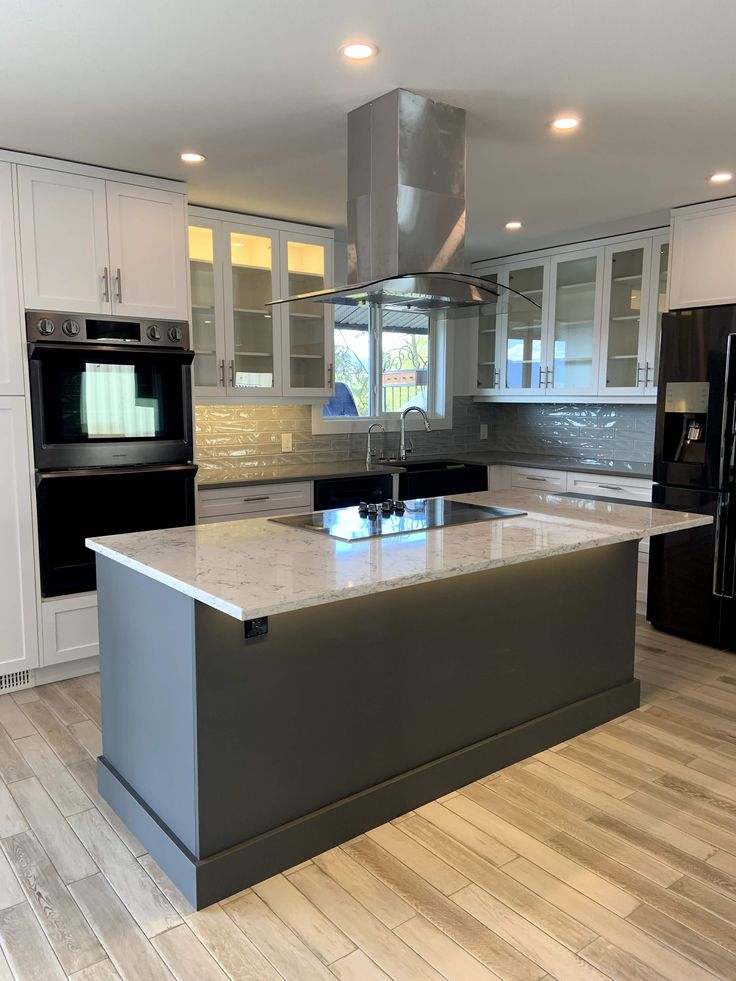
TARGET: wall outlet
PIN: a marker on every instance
(286, 443)
(484, 430)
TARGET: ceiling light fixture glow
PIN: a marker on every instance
(512, 226)
(359, 50)
(722, 177)
(190, 157)
(565, 124)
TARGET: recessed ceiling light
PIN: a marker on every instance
(564, 124)
(191, 157)
(512, 226)
(722, 177)
(359, 50)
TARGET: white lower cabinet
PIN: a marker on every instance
(534, 478)
(69, 626)
(19, 638)
(261, 501)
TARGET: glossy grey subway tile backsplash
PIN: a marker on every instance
(249, 436)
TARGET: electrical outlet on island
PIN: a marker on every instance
(484, 430)
(286, 443)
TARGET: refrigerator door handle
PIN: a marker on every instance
(728, 424)
(724, 558)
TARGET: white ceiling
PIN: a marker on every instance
(258, 86)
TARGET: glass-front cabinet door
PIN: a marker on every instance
(488, 363)
(207, 323)
(251, 280)
(576, 287)
(306, 267)
(525, 340)
(625, 318)
(657, 306)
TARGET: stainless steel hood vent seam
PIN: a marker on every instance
(406, 209)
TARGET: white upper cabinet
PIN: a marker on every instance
(63, 238)
(576, 289)
(523, 324)
(95, 246)
(252, 335)
(586, 326)
(487, 350)
(307, 326)
(19, 648)
(147, 236)
(11, 321)
(245, 349)
(624, 367)
(703, 255)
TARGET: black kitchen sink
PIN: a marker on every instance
(438, 478)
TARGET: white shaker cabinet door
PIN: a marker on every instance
(19, 640)
(702, 268)
(11, 322)
(63, 241)
(148, 252)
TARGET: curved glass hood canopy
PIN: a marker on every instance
(414, 292)
(406, 210)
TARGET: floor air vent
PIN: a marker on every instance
(15, 680)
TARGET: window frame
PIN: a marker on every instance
(439, 396)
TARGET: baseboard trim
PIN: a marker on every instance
(205, 881)
(67, 669)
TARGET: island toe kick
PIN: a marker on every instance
(232, 758)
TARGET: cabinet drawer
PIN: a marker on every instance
(532, 478)
(224, 503)
(257, 514)
(625, 488)
(69, 628)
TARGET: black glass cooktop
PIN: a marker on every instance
(353, 524)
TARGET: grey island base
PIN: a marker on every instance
(393, 671)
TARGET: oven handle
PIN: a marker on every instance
(183, 468)
(36, 349)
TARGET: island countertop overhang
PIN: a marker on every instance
(254, 568)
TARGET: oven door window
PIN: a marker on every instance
(111, 396)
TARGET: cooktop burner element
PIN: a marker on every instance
(394, 518)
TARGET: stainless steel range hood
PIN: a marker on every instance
(406, 209)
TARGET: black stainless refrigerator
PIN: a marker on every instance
(692, 573)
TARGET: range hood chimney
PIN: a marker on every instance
(406, 209)
(406, 187)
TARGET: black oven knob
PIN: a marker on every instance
(153, 332)
(71, 328)
(46, 326)
(175, 334)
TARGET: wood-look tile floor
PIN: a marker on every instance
(610, 856)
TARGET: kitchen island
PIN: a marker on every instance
(269, 692)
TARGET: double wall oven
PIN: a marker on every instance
(111, 403)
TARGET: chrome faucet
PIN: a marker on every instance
(402, 445)
(370, 453)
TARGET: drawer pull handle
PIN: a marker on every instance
(610, 486)
(543, 479)
(263, 497)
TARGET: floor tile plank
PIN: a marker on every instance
(131, 953)
(86, 776)
(448, 957)
(186, 957)
(55, 732)
(15, 723)
(59, 704)
(27, 950)
(141, 896)
(53, 775)
(306, 921)
(235, 953)
(275, 940)
(69, 856)
(73, 942)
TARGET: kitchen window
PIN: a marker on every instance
(385, 361)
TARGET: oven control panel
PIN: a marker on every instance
(80, 328)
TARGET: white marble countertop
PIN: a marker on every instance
(254, 567)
